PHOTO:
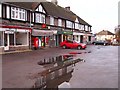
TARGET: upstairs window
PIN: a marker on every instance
(59, 22)
(76, 26)
(17, 13)
(81, 27)
(69, 24)
(86, 27)
(51, 20)
(40, 18)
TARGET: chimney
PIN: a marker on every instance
(67, 8)
(54, 2)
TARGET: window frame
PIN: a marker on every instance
(60, 22)
(52, 20)
(41, 18)
(69, 24)
(18, 13)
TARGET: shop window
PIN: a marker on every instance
(21, 38)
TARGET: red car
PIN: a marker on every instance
(72, 44)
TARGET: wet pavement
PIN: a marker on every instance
(99, 70)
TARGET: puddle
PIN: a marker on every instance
(53, 60)
(60, 72)
(79, 52)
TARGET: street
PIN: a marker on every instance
(100, 69)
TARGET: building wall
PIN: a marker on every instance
(104, 37)
(48, 20)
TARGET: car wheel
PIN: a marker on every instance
(94, 43)
(104, 44)
(63, 46)
(79, 47)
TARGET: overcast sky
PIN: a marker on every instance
(101, 14)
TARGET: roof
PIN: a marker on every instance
(58, 11)
(105, 32)
(81, 21)
(26, 5)
(51, 9)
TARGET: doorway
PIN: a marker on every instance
(9, 40)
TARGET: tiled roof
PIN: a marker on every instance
(51, 9)
(105, 32)
(26, 5)
(81, 21)
(58, 11)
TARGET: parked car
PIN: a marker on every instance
(72, 44)
(101, 42)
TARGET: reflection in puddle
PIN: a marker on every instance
(79, 52)
(53, 60)
(59, 73)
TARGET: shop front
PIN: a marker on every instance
(44, 38)
(14, 38)
(87, 38)
(64, 35)
(79, 37)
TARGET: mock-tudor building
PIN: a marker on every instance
(22, 23)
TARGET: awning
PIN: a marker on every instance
(42, 33)
(75, 33)
(65, 32)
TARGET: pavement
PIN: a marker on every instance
(100, 69)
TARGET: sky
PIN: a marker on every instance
(101, 14)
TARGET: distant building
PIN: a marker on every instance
(117, 33)
(105, 35)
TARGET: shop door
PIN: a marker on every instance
(9, 40)
(6, 42)
(81, 38)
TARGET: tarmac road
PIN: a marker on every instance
(100, 69)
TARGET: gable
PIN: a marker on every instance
(40, 9)
(76, 20)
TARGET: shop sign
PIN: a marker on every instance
(65, 32)
(10, 31)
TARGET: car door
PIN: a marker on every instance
(70, 44)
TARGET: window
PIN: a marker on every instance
(0, 10)
(40, 18)
(51, 21)
(17, 13)
(76, 26)
(52, 75)
(81, 27)
(59, 22)
(86, 27)
(69, 24)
